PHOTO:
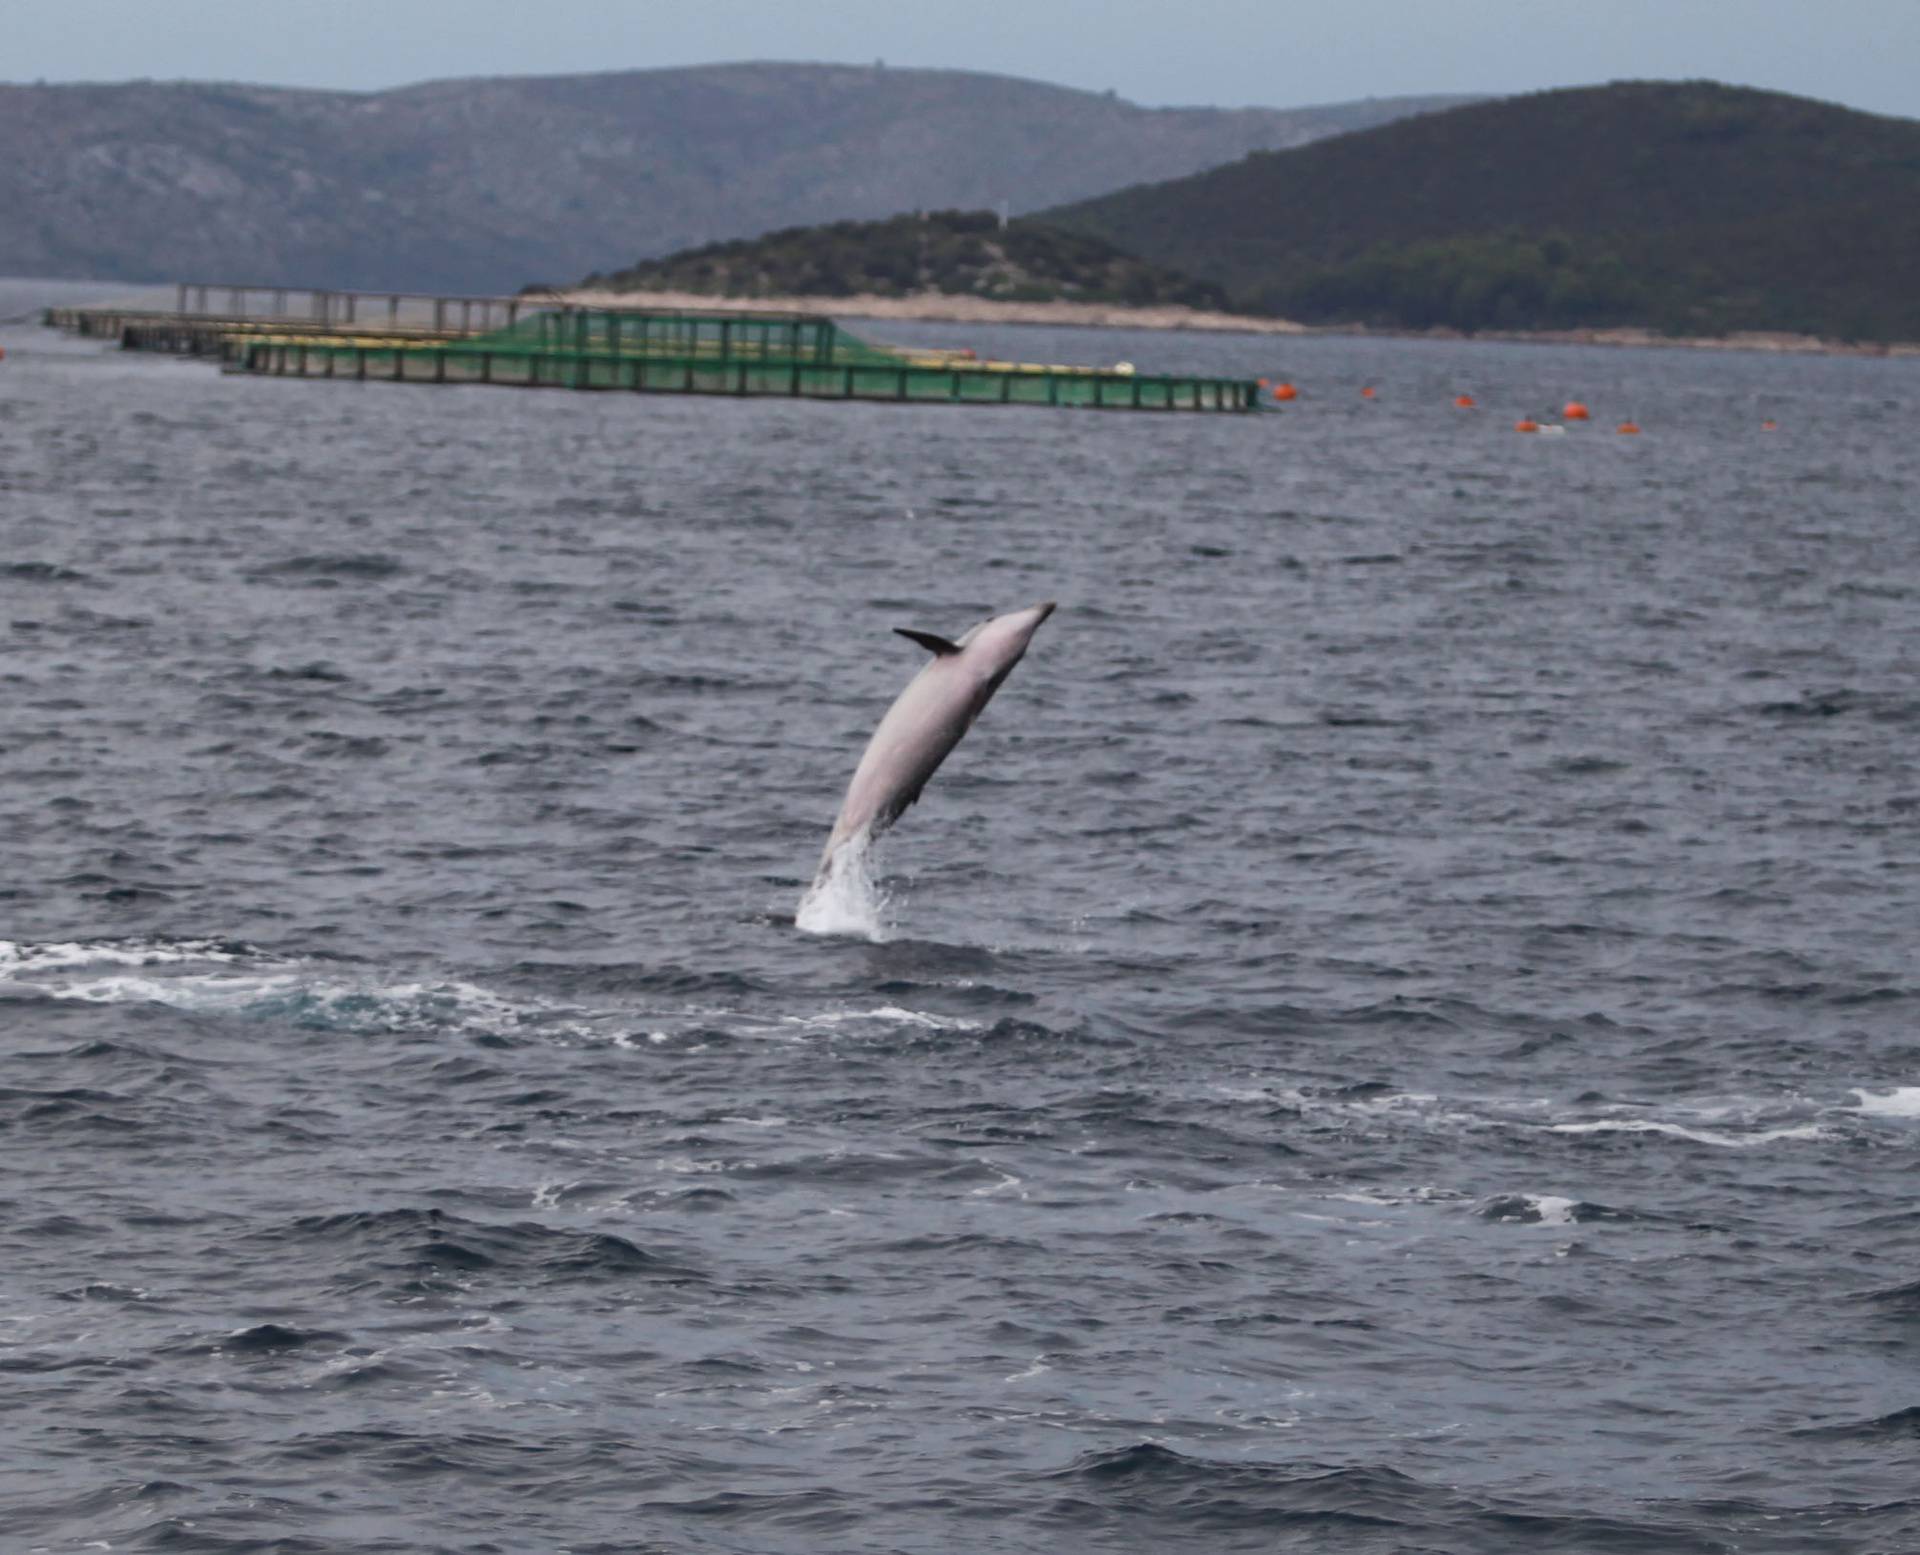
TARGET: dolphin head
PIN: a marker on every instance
(991, 649)
(1010, 633)
(994, 646)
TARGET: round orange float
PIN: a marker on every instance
(1285, 391)
(1575, 411)
(1464, 401)
(1526, 424)
(1769, 426)
(1367, 392)
(1628, 429)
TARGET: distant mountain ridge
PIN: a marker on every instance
(484, 185)
(1689, 207)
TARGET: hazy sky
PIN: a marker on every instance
(1273, 53)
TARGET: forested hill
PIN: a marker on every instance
(967, 253)
(484, 185)
(1689, 207)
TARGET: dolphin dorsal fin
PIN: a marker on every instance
(939, 647)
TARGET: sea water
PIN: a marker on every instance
(1396, 1031)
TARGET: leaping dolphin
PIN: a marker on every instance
(925, 722)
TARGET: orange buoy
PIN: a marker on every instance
(1367, 392)
(1285, 391)
(1464, 401)
(1526, 424)
(1769, 426)
(1575, 411)
(1628, 429)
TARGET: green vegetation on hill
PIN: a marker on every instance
(1689, 207)
(955, 252)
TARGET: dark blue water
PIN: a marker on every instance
(1398, 1031)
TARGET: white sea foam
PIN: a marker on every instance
(1255, 1093)
(690, 1166)
(17, 958)
(1724, 1140)
(266, 986)
(903, 1017)
(844, 898)
(348, 1363)
(1734, 1122)
(1549, 1209)
(891, 1015)
(1007, 1180)
(1903, 1101)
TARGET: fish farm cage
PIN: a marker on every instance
(802, 356)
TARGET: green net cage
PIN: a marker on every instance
(794, 355)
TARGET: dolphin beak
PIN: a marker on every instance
(1046, 609)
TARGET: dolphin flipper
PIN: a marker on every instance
(939, 647)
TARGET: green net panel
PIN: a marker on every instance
(727, 337)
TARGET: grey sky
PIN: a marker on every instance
(1274, 53)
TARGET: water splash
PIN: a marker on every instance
(844, 897)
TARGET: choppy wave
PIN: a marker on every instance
(227, 978)
(1902, 1101)
(1731, 1122)
(1389, 1057)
